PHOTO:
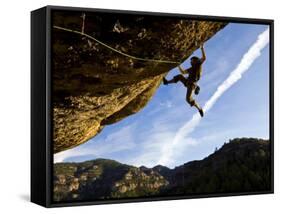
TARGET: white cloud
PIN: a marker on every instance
(249, 57)
(120, 140)
(166, 104)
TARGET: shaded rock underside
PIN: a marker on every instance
(94, 86)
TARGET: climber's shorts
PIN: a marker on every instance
(190, 84)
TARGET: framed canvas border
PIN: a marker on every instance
(42, 154)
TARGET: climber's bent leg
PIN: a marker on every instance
(191, 101)
(189, 98)
(175, 79)
(179, 78)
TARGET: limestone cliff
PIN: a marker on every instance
(94, 86)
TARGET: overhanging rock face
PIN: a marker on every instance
(94, 86)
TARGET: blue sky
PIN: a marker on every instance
(242, 111)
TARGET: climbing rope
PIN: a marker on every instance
(115, 50)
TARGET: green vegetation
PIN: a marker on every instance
(242, 165)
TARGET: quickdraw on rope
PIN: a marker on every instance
(115, 50)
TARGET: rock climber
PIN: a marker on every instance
(190, 82)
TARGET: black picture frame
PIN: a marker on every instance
(41, 104)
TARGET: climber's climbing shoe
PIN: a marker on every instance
(165, 82)
(201, 112)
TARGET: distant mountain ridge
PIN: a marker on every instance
(242, 165)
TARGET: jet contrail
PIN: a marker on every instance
(247, 60)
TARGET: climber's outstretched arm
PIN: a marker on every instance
(203, 54)
(182, 70)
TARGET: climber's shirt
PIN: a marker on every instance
(194, 72)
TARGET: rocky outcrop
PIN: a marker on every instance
(136, 181)
(109, 179)
(94, 86)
